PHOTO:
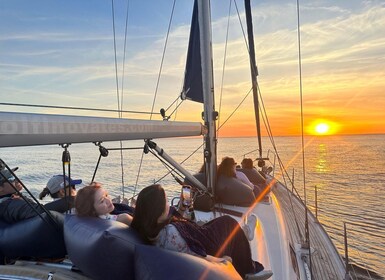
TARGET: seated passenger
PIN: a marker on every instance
(14, 208)
(252, 174)
(93, 201)
(227, 168)
(156, 226)
(64, 195)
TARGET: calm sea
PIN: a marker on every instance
(348, 171)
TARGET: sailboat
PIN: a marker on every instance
(288, 239)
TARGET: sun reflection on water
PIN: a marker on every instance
(322, 163)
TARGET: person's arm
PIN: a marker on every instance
(124, 218)
(241, 176)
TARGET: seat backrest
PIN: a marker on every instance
(101, 249)
(232, 191)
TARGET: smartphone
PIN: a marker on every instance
(186, 195)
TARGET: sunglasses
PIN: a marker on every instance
(10, 180)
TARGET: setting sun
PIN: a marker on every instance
(322, 127)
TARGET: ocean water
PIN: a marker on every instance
(347, 171)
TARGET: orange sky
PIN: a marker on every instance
(50, 59)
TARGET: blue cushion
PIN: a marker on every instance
(154, 263)
(101, 249)
(33, 238)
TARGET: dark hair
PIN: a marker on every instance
(84, 201)
(226, 167)
(46, 192)
(150, 205)
(247, 163)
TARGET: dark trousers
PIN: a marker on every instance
(228, 239)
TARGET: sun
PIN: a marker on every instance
(322, 127)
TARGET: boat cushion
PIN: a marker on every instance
(232, 191)
(101, 249)
(155, 263)
(33, 238)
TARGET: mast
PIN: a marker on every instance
(210, 115)
(254, 74)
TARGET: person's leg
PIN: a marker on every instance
(230, 240)
(120, 208)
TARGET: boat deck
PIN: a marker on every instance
(325, 266)
(27, 270)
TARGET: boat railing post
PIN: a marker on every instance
(316, 201)
(347, 276)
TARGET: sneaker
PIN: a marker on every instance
(249, 227)
(263, 275)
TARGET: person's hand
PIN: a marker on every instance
(18, 186)
(224, 259)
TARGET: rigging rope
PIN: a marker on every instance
(267, 125)
(223, 68)
(163, 55)
(124, 58)
(116, 62)
(302, 138)
(156, 91)
(120, 102)
(73, 108)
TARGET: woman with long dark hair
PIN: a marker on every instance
(219, 238)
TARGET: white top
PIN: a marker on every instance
(109, 217)
(242, 176)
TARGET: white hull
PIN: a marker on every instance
(277, 241)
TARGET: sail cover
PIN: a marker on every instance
(192, 87)
(28, 129)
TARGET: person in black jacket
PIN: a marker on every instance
(14, 207)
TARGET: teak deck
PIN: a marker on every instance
(324, 264)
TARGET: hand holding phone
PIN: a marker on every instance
(186, 196)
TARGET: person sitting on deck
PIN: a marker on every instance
(154, 223)
(15, 207)
(252, 174)
(60, 193)
(93, 201)
(227, 168)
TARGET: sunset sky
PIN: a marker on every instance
(62, 53)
